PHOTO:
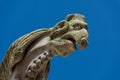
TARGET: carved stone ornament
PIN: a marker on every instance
(28, 58)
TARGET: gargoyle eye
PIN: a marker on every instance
(77, 26)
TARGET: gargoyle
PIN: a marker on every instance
(28, 58)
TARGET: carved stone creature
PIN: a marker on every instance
(28, 58)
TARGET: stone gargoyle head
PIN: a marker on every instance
(28, 58)
(73, 30)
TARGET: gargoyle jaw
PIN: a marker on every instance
(78, 37)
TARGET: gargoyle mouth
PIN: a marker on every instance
(72, 40)
(79, 37)
(83, 42)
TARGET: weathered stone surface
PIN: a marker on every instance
(28, 58)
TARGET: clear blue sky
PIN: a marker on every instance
(100, 60)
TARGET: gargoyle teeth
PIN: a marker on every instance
(35, 66)
(43, 58)
(38, 62)
(31, 73)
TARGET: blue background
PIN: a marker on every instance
(100, 60)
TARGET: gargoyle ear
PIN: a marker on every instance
(61, 24)
(69, 17)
